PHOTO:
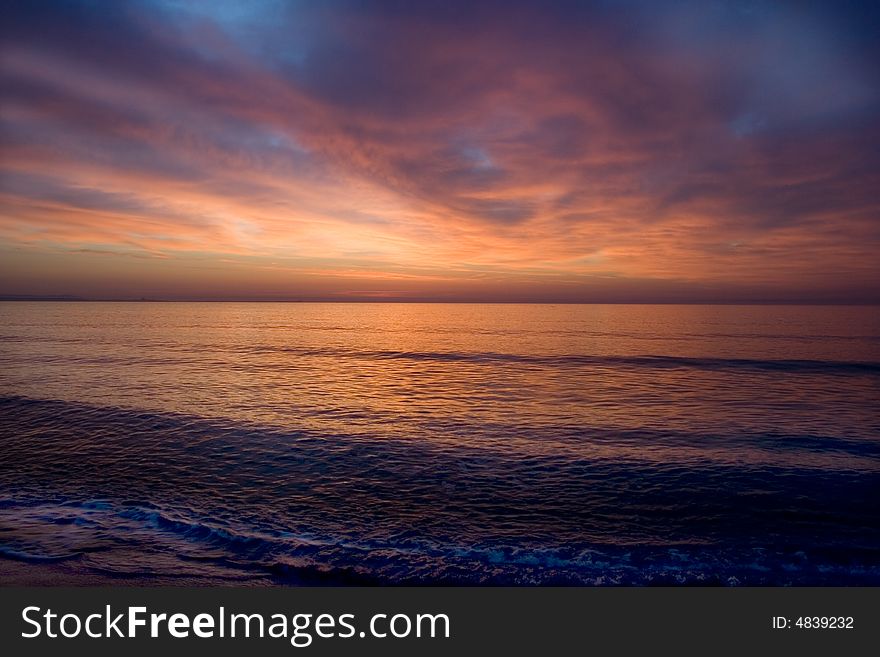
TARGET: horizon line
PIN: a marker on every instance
(748, 302)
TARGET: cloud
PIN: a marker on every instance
(691, 146)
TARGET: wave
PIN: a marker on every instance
(204, 550)
(26, 415)
(218, 356)
(116, 490)
(647, 361)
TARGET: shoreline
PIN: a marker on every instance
(19, 573)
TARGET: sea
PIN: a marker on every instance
(440, 444)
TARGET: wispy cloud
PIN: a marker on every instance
(604, 151)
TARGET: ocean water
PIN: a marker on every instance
(502, 444)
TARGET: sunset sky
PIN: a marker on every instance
(505, 151)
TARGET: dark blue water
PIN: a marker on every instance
(408, 444)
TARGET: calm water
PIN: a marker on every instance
(428, 443)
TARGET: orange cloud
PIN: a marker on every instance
(533, 155)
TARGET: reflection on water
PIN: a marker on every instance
(443, 443)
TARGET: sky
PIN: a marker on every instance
(692, 151)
